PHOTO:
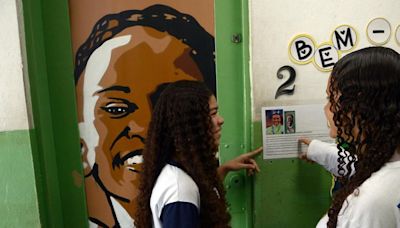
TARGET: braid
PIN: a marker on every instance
(162, 18)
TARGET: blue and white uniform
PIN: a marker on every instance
(175, 199)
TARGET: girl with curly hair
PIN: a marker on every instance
(364, 113)
(181, 183)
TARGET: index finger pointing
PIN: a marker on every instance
(255, 152)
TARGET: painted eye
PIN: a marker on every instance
(118, 110)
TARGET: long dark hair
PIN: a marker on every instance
(181, 130)
(365, 96)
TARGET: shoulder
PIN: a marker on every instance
(174, 185)
(374, 204)
(383, 184)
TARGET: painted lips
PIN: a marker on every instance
(132, 160)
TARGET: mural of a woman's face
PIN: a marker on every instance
(115, 109)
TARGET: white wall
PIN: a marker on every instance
(13, 111)
(275, 23)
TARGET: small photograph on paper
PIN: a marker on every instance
(290, 122)
(274, 121)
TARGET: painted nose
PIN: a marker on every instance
(135, 128)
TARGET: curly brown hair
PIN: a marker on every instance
(181, 130)
(365, 101)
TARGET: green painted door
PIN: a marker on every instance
(287, 192)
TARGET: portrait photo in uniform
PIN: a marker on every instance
(274, 122)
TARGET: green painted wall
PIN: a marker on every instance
(287, 192)
(234, 102)
(55, 138)
(18, 200)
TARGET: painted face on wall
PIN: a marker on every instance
(114, 102)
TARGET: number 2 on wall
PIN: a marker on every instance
(283, 89)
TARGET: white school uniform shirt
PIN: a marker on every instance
(377, 202)
(175, 199)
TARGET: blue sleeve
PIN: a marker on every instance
(180, 215)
